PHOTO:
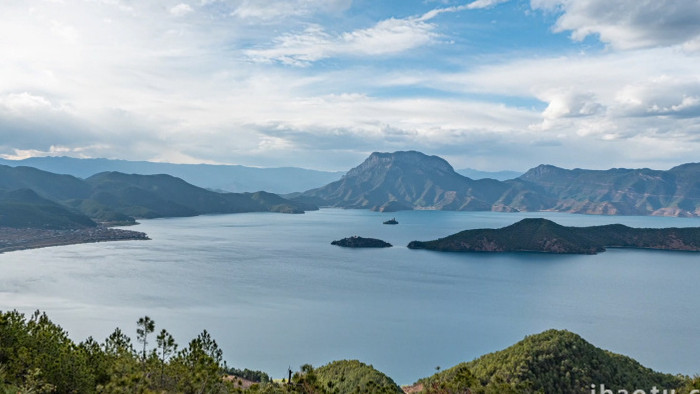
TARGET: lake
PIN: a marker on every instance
(274, 293)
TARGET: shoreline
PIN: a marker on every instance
(16, 239)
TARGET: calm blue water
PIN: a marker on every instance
(274, 292)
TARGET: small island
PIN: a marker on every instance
(359, 242)
(545, 236)
(392, 221)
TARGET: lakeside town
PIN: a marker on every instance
(12, 239)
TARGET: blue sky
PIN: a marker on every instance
(486, 84)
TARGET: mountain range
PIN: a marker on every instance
(227, 178)
(221, 177)
(479, 174)
(34, 198)
(412, 180)
(383, 182)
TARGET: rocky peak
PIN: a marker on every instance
(543, 171)
(402, 159)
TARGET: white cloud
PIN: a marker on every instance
(625, 100)
(181, 9)
(478, 4)
(567, 104)
(389, 36)
(20, 154)
(66, 32)
(297, 49)
(23, 102)
(474, 5)
(692, 45)
(627, 24)
(125, 79)
(267, 10)
(662, 96)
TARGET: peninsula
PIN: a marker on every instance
(359, 242)
(545, 236)
(12, 239)
(29, 221)
(40, 208)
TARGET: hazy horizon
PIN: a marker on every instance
(343, 170)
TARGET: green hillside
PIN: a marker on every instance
(165, 195)
(101, 213)
(117, 198)
(551, 362)
(52, 186)
(352, 376)
(23, 208)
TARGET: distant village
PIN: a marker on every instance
(31, 238)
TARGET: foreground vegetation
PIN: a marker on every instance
(552, 362)
(36, 356)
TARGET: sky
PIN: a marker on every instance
(486, 84)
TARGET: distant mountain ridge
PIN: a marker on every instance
(113, 197)
(675, 192)
(497, 175)
(230, 178)
(413, 180)
(383, 182)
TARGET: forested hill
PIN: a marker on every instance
(23, 208)
(551, 362)
(119, 198)
(38, 356)
(413, 180)
(545, 236)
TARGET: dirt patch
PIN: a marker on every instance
(239, 382)
(414, 388)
